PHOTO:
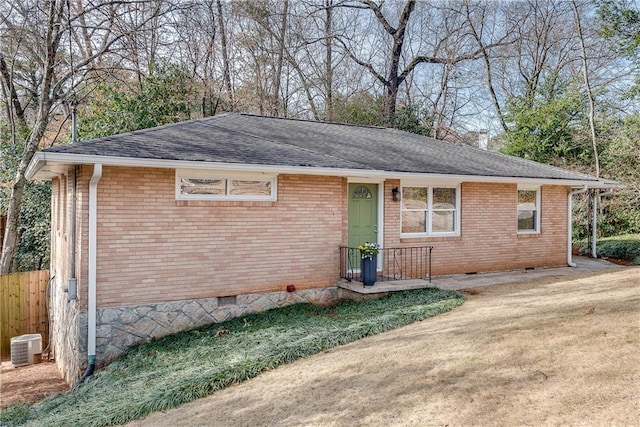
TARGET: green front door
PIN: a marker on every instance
(363, 214)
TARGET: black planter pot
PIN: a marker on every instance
(368, 267)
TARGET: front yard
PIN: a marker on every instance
(177, 369)
(556, 350)
(553, 351)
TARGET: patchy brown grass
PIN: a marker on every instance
(555, 351)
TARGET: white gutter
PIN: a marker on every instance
(91, 294)
(570, 262)
(42, 159)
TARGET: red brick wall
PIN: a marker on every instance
(488, 237)
(61, 209)
(152, 248)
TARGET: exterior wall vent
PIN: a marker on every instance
(229, 300)
(24, 348)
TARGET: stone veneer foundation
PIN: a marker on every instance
(68, 331)
(118, 328)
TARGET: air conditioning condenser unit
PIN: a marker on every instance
(24, 348)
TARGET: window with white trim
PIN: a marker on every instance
(528, 210)
(205, 185)
(430, 211)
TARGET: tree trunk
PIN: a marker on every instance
(393, 79)
(225, 56)
(328, 35)
(17, 189)
(278, 74)
(9, 246)
(487, 64)
(13, 104)
(587, 84)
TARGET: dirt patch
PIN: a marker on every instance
(29, 384)
(554, 351)
(625, 262)
(469, 291)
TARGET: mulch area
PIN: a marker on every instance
(29, 384)
(624, 262)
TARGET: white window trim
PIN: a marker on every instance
(430, 233)
(538, 190)
(207, 174)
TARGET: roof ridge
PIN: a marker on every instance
(322, 122)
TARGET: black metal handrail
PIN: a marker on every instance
(393, 263)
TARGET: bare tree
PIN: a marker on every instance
(282, 32)
(543, 47)
(398, 65)
(328, 43)
(40, 40)
(476, 16)
(587, 84)
(225, 55)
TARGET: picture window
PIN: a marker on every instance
(192, 185)
(430, 211)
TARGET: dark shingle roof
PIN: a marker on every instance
(257, 140)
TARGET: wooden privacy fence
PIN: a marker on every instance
(23, 307)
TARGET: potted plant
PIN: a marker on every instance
(368, 262)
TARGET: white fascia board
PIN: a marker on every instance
(37, 161)
(41, 158)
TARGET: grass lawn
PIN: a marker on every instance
(552, 351)
(180, 368)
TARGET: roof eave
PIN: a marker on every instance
(47, 165)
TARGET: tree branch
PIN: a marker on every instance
(376, 10)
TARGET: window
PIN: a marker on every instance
(204, 185)
(528, 210)
(361, 193)
(430, 211)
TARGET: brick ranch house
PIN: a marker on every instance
(170, 228)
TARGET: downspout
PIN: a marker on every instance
(91, 294)
(594, 226)
(570, 262)
(594, 229)
(72, 282)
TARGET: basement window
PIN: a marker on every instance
(208, 185)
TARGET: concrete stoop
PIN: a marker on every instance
(356, 290)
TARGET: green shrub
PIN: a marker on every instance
(625, 247)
